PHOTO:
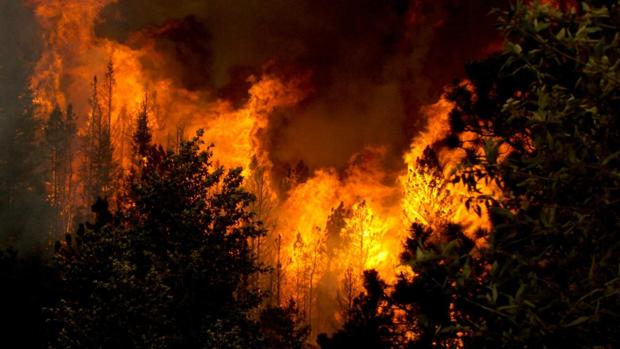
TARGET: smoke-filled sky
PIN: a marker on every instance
(373, 63)
(19, 46)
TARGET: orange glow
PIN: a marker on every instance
(380, 208)
(434, 200)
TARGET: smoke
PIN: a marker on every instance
(19, 48)
(327, 94)
(22, 198)
(373, 63)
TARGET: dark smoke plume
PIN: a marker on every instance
(374, 63)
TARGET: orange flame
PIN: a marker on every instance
(380, 207)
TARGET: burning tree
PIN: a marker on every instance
(544, 121)
(428, 199)
(540, 122)
(99, 166)
(369, 319)
(60, 131)
(257, 182)
(363, 233)
(309, 257)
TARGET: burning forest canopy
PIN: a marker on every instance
(368, 144)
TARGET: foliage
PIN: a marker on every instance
(416, 312)
(432, 306)
(370, 319)
(170, 269)
(142, 137)
(540, 122)
(544, 120)
(99, 168)
(27, 284)
(427, 197)
(23, 205)
(59, 134)
(282, 327)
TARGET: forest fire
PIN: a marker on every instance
(294, 174)
(375, 204)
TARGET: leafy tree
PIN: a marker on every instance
(540, 122)
(544, 121)
(432, 307)
(171, 268)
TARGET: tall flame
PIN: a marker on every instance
(378, 207)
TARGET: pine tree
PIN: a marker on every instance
(170, 268)
(59, 134)
(282, 327)
(99, 166)
(23, 205)
(109, 84)
(369, 322)
(142, 136)
(124, 130)
(70, 205)
(54, 137)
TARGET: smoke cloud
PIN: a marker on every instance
(19, 49)
(22, 206)
(373, 63)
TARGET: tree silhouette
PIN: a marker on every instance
(370, 319)
(99, 167)
(171, 268)
(23, 205)
(142, 136)
(539, 122)
(59, 132)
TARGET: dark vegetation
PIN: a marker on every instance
(549, 277)
(170, 267)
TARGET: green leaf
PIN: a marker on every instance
(514, 48)
(561, 34)
(502, 212)
(466, 271)
(611, 157)
(541, 26)
(578, 321)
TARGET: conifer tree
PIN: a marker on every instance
(142, 137)
(23, 205)
(370, 319)
(170, 268)
(99, 166)
(59, 134)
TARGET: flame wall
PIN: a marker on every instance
(349, 90)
